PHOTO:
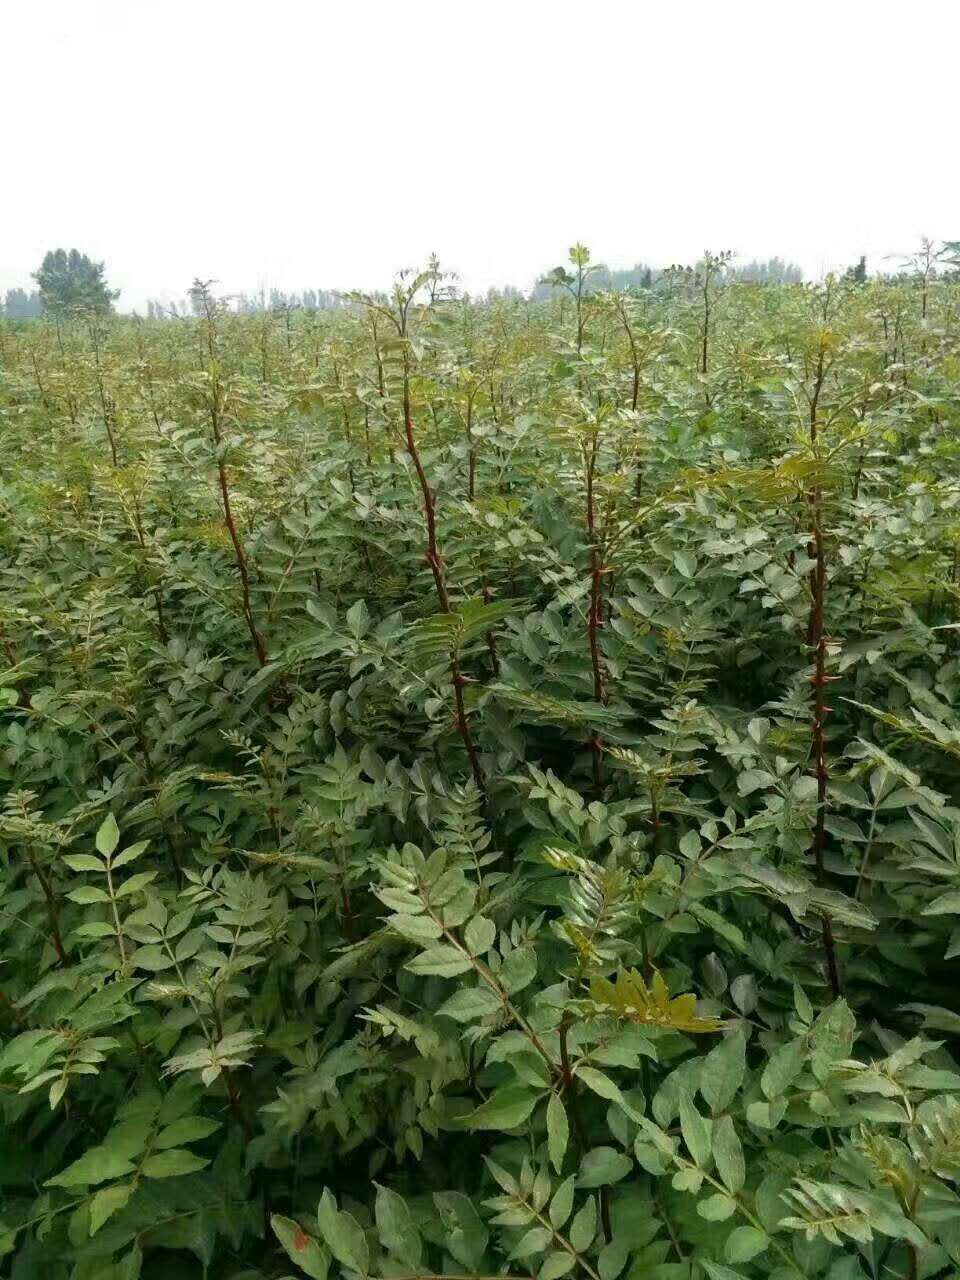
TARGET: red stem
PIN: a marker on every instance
(820, 711)
(595, 615)
(435, 561)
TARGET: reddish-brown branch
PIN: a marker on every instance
(491, 640)
(106, 401)
(435, 561)
(463, 728)
(705, 343)
(820, 711)
(241, 561)
(813, 497)
(471, 452)
(216, 405)
(816, 639)
(595, 613)
(53, 908)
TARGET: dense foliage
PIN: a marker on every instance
(67, 281)
(481, 790)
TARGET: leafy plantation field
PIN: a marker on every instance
(481, 786)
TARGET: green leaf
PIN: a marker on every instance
(504, 1109)
(107, 1202)
(611, 1259)
(602, 1166)
(758, 729)
(584, 1225)
(479, 935)
(189, 1129)
(556, 1264)
(606, 1088)
(751, 780)
(723, 1071)
(533, 1241)
(398, 1232)
(300, 1247)
(136, 882)
(87, 894)
(84, 862)
(108, 835)
(686, 563)
(519, 969)
(687, 1180)
(717, 1208)
(831, 1038)
(465, 1235)
(96, 1165)
(470, 1003)
(443, 960)
(945, 904)
(716, 1271)
(358, 618)
(562, 1203)
(129, 854)
(173, 1164)
(343, 1235)
(744, 992)
(728, 1155)
(802, 1004)
(696, 1131)
(152, 958)
(95, 929)
(690, 844)
(783, 1067)
(415, 928)
(558, 1131)
(744, 1243)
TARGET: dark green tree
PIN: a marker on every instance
(857, 274)
(71, 279)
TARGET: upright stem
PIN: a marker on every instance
(232, 1089)
(491, 640)
(813, 497)
(471, 452)
(595, 612)
(157, 598)
(241, 561)
(53, 908)
(816, 639)
(704, 346)
(435, 561)
(432, 556)
(820, 710)
(216, 419)
(106, 402)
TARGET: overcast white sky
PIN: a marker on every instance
(330, 142)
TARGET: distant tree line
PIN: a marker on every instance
(642, 276)
(20, 305)
(773, 271)
(70, 280)
(254, 303)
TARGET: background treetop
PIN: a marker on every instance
(69, 280)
